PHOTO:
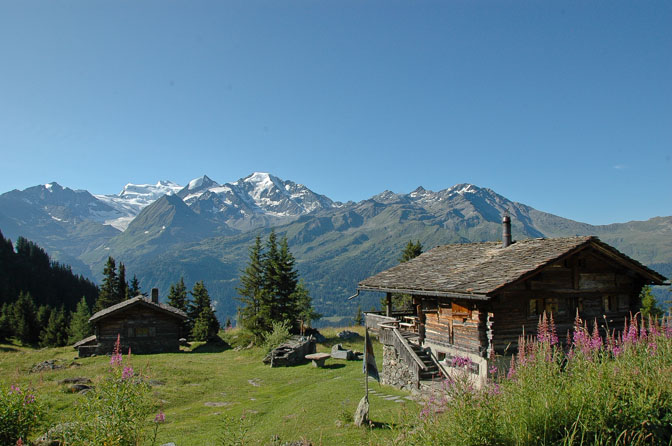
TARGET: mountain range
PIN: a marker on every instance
(202, 231)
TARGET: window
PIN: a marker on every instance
(539, 305)
(610, 303)
(141, 332)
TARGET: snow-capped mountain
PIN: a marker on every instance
(254, 201)
(132, 199)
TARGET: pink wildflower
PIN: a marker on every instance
(552, 331)
(461, 362)
(542, 328)
(19, 442)
(160, 417)
(116, 358)
(596, 339)
(512, 370)
(127, 372)
(14, 389)
(492, 370)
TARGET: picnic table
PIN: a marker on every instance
(318, 358)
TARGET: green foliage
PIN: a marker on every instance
(19, 414)
(649, 304)
(270, 290)
(411, 251)
(277, 336)
(55, 334)
(23, 319)
(134, 287)
(108, 289)
(235, 430)
(200, 311)
(177, 296)
(30, 270)
(359, 316)
(79, 323)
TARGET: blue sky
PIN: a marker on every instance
(564, 106)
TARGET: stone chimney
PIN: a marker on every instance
(155, 295)
(506, 231)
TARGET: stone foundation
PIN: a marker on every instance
(395, 373)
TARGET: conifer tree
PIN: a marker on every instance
(55, 334)
(252, 293)
(411, 251)
(23, 319)
(200, 311)
(134, 287)
(122, 285)
(303, 305)
(108, 290)
(79, 323)
(271, 280)
(5, 325)
(42, 317)
(177, 296)
(649, 304)
(286, 297)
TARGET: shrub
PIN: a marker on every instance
(277, 336)
(19, 413)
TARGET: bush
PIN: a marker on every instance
(19, 413)
(276, 337)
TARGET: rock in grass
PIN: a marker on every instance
(362, 412)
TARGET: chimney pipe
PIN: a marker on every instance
(506, 231)
(155, 295)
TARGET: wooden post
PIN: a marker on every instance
(388, 305)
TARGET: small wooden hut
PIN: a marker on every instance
(143, 325)
(475, 299)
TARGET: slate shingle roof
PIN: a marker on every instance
(138, 300)
(478, 269)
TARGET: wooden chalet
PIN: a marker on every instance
(143, 325)
(474, 300)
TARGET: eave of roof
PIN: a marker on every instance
(138, 300)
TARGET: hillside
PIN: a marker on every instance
(203, 231)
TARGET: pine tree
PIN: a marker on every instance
(177, 296)
(108, 290)
(5, 325)
(121, 286)
(55, 334)
(79, 323)
(286, 299)
(252, 293)
(649, 304)
(359, 317)
(42, 317)
(303, 305)
(23, 319)
(134, 287)
(200, 311)
(272, 279)
(411, 251)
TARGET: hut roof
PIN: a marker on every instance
(139, 300)
(477, 270)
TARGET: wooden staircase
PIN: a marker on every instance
(431, 370)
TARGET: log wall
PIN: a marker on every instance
(140, 328)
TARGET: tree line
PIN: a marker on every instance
(42, 301)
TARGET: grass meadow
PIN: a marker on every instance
(214, 396)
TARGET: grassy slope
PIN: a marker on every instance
(294, 403)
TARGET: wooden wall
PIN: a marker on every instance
(142, 329)
(601, 290)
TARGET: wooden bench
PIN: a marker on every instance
(318, 358)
